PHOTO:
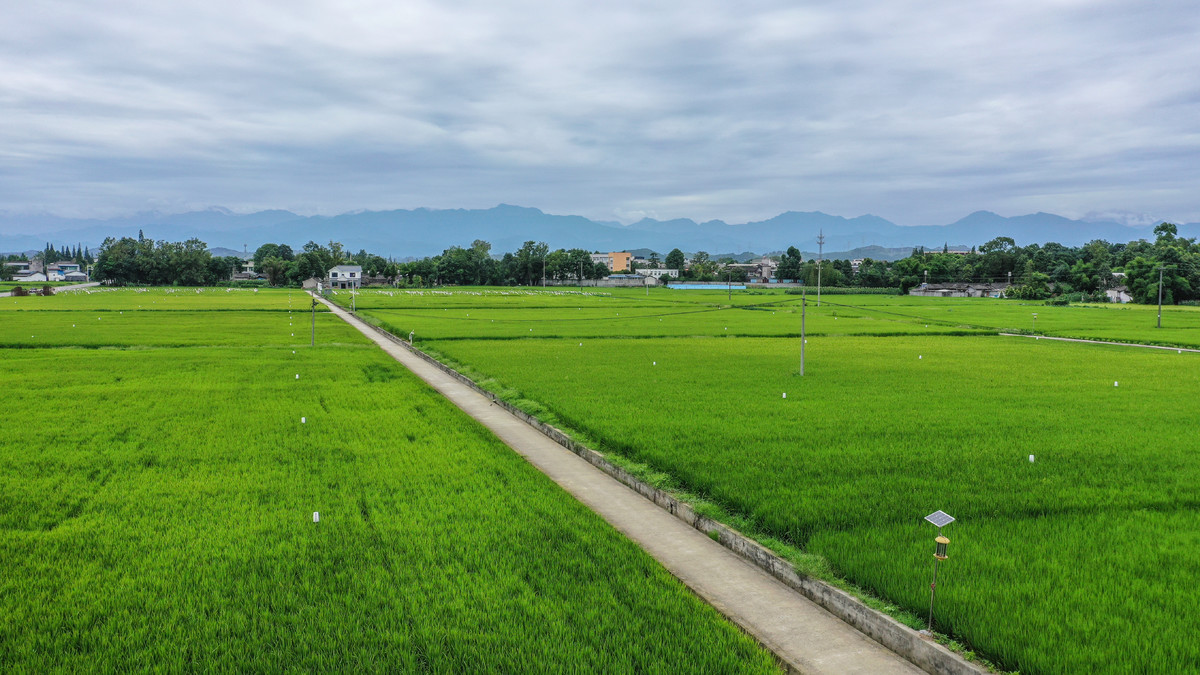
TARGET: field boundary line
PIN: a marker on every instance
(1102, 342)
(922, 652)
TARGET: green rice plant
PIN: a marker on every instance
(100, 298)
(158, 511)
(880, 432)
(779, 318)
(524, 313)
(173, 328)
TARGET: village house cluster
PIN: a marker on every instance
(31, 271)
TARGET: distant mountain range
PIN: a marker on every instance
(422, 232)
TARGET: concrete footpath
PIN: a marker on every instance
(806, 637)
(1101, 342)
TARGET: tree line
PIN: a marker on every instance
(49, 255)
(1035, 271)
(161, 263)
(1053, 270)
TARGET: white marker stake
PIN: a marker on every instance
(316, 517)
(785, 394)
(920, 357)
(1116, 383)
(654, 363)
(302, 420)
(297, 376)
(1031, 459)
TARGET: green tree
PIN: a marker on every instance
(336, 255)
(1165, 233)
(676, 260)
(703, 267)
(578, 260)
(1034, 286)
(274, 269)
(529, 260)
(265, 251)
(1142, 275)
(220, 269)
(790, 264)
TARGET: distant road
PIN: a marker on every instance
(1102, 342)
(72, 287)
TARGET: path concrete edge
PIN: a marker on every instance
(908, 643)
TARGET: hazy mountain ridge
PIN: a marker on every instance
(420, 232)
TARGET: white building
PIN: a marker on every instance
(1119, 294)
(658, 273)
(764, 270)
(345, 276)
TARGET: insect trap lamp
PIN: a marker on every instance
(939, 519)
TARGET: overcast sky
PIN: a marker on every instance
(919, 112)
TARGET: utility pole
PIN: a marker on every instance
(314, 322)
(820, 258)
(729, 284)
(1160, 279)
(580, 276)
(543, 271)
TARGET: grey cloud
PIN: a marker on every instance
(915, 111)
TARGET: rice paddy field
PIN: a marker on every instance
(159, 475)
(1073, 469)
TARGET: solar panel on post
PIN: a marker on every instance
(940, 519)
